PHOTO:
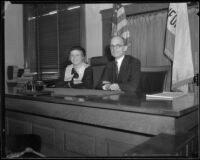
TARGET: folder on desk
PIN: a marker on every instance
(34, 93)
(165, 95)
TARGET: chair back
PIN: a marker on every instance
(19, 142)
(98, 65)
(153, 79)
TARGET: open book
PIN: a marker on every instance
(165, 95)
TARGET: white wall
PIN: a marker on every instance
(14, 53)
(94, 28)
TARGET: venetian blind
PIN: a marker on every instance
(57, 29)
(69, 33)
(48, 37)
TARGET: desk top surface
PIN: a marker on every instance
(128, 102)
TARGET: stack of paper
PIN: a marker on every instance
(165, 95)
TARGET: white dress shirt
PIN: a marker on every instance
(119, 62)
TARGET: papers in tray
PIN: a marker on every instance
(164, 95)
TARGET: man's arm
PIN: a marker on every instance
(134, 78)
(104, 81)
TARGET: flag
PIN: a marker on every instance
(178, 46)
(119, 23)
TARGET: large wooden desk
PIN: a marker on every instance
(97, 125)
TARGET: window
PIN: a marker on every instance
(50, 30)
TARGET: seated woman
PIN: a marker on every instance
(78, 74)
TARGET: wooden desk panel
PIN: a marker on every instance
(136, 122)
(73, 139)
(97, 126)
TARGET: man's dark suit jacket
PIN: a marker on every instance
(129, 74)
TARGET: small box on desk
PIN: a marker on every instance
(11, 84)
(12, 71)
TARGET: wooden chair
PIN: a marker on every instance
(154, 79)
(98, 65)
(23, 145)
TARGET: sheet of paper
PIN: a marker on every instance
(165, 95)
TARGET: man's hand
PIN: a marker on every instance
(114, 87)
(106, 86)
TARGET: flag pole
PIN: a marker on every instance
(171, 62)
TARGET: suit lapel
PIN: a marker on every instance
(114, 72)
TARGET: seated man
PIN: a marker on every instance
(123, 73)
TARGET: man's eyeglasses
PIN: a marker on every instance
(116, 46)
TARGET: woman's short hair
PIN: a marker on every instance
(78, 48)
